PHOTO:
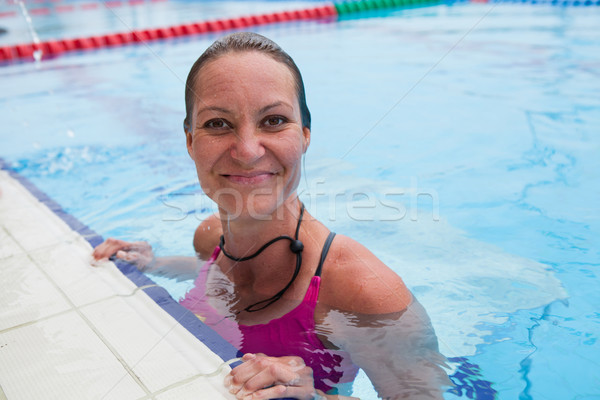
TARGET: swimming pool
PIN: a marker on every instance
(458, 142)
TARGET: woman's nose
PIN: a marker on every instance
(247, 147)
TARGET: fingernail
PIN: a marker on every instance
(292, 363)
(233, 389)
(245, 395)
(294, 382)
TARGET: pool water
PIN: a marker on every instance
(458, 142)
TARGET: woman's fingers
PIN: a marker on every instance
(273, 392)
(127, 255)
(262, 377)
(109, 247)
(272, 375)
(141, 247)
(141, 260)
(138, 253)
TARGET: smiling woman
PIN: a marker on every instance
(247, 143)
(307, 315)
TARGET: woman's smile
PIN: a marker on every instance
(249, 178)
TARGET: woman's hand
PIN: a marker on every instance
(262, 377)
(138, 253)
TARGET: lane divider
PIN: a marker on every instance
(53, 48)
(350, 7)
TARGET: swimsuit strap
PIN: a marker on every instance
(324, 252)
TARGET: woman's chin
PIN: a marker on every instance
(256, 209)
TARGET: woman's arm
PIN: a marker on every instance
(141, 255)
(263, 377)
(398, 352)
(366, 310)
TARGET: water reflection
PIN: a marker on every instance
(412, 366)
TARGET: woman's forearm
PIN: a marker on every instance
(179, 267)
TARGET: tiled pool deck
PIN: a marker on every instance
(69, 330)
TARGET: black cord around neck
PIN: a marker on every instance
(296, 246)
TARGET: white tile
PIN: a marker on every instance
(27, 294)
(62, 358)
(205, 388)
(119, 344)
(13, 194)
(8, 247)
(34, 228)
(171, 353)
(158, 349)
(28, 221)
(69, 265)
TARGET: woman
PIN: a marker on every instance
(306, 307)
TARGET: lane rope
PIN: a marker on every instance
(54, 48)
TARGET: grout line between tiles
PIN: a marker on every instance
(71, 235)
(5, 230)
(100, 336)
(194, 377)
(35, 321)
(74, 308)
(84, 318)
(71, 240)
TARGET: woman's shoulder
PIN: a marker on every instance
(355, 280)
(207, 235)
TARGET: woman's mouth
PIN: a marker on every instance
(249, 178)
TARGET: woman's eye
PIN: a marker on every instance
(216, 123)
(274, 121)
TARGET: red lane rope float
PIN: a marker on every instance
(56, 47)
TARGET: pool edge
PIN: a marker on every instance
(160, 296)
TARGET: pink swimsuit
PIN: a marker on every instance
(293, 334)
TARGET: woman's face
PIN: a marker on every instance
(246, 137)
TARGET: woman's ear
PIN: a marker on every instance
(306, 133)
(188, 137)
(188, 142)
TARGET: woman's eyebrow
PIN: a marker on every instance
(213, 109)
(273, 105)
(222, 110)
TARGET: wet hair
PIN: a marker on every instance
(243, 42)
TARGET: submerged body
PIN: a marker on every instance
(293, 333)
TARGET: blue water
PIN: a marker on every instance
(459, 143)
